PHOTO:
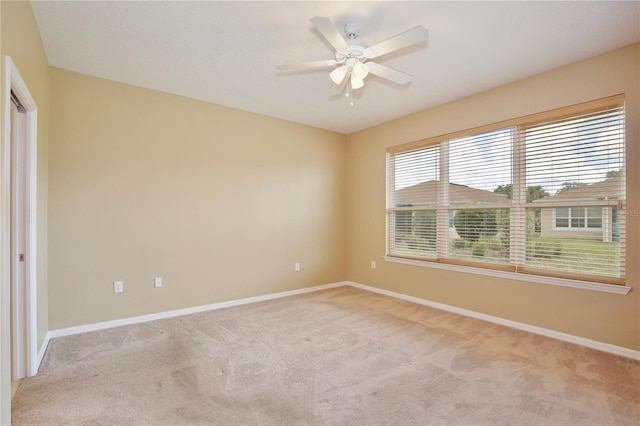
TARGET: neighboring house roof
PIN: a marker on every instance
(425, 193)
(608, 189)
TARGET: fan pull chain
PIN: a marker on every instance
(348, 93)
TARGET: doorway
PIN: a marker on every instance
(17, 241)
(18, 195)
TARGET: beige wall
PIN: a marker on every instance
(594, 315)
(220, 203)
(20, 39)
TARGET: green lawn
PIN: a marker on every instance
(558, 254)
(574, 255)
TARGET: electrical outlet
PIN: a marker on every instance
(118, 286)
(158, 282)
(373, 264)
(297, 266)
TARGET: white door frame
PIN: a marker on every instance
(13, 82)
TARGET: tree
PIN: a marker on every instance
(566, 186)
(504, 190)
(533, 192)
(473, 224)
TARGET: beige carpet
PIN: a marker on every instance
(341, 356)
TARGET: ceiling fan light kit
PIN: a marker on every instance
(352, 56)
(356, 82)
(338, 75)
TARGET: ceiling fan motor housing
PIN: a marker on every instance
(352, 30)
(356, 49)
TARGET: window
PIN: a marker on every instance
(578, 218)
(537, 195)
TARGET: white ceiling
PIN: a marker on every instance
(226, 52)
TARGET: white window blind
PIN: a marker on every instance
(539, 195)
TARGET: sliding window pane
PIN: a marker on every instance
(579, 158)
(577, 250)
(415, 233)
(480, 168)
(480, 235)
(414, 178)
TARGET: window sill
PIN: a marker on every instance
(562, 282)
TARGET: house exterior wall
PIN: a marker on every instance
(548, 229)
(594, 315)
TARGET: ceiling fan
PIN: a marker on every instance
(352, 57)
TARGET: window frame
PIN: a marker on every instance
(518, 206)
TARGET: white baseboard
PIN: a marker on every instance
(41, 353)
(179, 312)
(605, 347)
(593, 344)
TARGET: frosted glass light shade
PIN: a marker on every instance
(338, 74)
(356, 82)
(360, 70)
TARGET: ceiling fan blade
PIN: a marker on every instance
(307, 65)
(329, 31)
(407, 38)
(388, 73)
